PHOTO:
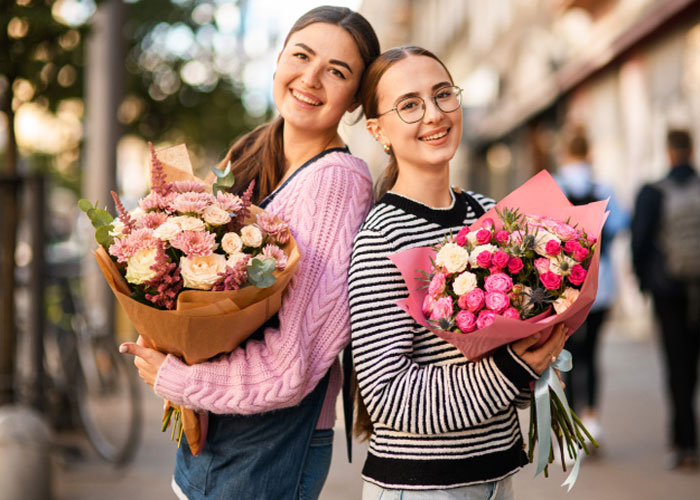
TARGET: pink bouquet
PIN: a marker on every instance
(527, 264)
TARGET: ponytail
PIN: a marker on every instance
(259, 156)
(388, 178)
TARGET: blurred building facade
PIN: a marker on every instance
(623, 69)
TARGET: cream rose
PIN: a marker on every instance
(231, 243)
(188, 223)
(201, 273)
(138, 267)
(215, 215)
(117, 228)
(251, 236)
(453, 258)
(235, 258)
(567, 298)
(168, 230)
(464, 283)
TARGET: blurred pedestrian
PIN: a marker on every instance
(271, 402)
(666, 259)
(575, 177)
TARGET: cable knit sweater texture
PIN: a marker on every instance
(324, 205)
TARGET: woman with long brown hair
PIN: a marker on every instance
(440, 426)
(271, 401)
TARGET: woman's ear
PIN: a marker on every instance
(374, 128)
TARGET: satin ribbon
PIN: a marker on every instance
(549, 379)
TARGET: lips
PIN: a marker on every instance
(305, 97)
(435, 135)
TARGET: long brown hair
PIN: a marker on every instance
(369, 99)
(259, 154)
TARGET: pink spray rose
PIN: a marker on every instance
(484, 259)
(496, 301)
(571, 246)
(550, 280)
(542, 265)
(461, 238)
(474, 300)
(483, 236)
(503, 237)
(466, 321)
(488, 223)
(499, 282)
(485, 318)
(428, 302)
(500, 259)
(442, 308)
(511, 313)
(437, 285)
(580, 254)
(577, 275)
(553, 247)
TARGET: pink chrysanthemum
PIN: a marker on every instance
(229, 202)
(195, 243)
(276, 253)
(188, 186)
(152, 201)
(277, 230)
(152, 220)
(191, 202)
(137, 240)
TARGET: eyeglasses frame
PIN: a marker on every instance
(396, 108)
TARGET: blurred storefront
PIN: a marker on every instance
(623, 69)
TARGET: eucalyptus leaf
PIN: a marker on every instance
(260, 272)
(85, 205)
(103, 237)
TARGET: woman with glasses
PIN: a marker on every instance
(440, 426)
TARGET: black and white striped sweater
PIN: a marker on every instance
(440, 421)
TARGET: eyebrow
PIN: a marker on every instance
(417, 94)
(337, 62)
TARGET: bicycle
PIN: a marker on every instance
(87, 384)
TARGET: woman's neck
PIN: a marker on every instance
(428, 186)
(300, 146)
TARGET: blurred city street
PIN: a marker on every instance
(630, 465)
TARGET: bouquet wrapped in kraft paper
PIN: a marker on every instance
(528, 264)
(247, 255)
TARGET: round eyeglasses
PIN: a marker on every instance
(412, 109)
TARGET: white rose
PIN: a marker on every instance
(477, 250)
(117, 228)
(231, 243)
(464, 283)
(471, 238)
(137, 213)
(234, 258)
(138, 267)
(188, 223)
(167, 231)
(453, 258)
(216, 216)
(201, 273)
(567, 298)
(251, 236)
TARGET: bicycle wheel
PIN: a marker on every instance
(108, 400)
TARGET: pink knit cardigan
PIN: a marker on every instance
(324, 205)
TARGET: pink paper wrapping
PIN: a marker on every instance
(538, 196)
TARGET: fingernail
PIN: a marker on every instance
(123, 349)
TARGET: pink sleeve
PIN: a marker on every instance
(325, 209)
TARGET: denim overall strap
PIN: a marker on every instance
(252, 456)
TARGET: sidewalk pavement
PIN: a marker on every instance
(630, 465)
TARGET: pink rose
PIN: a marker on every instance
(577, 275)
(503, 237)
(461, 238)
(515, 265)
(499, 282)
(500, 259)
(466, 321)
(488, 223)
(497, 301)
(542, 265)
(442, 308)
(485, 318)
(580, 254)
(483, 236)
(437, 285)
(550, 280)
(571, 246)
(428, 302)
(553, 247)
(511, 313)
(484, 259)
(474, 300)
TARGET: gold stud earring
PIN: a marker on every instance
(387, 149)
